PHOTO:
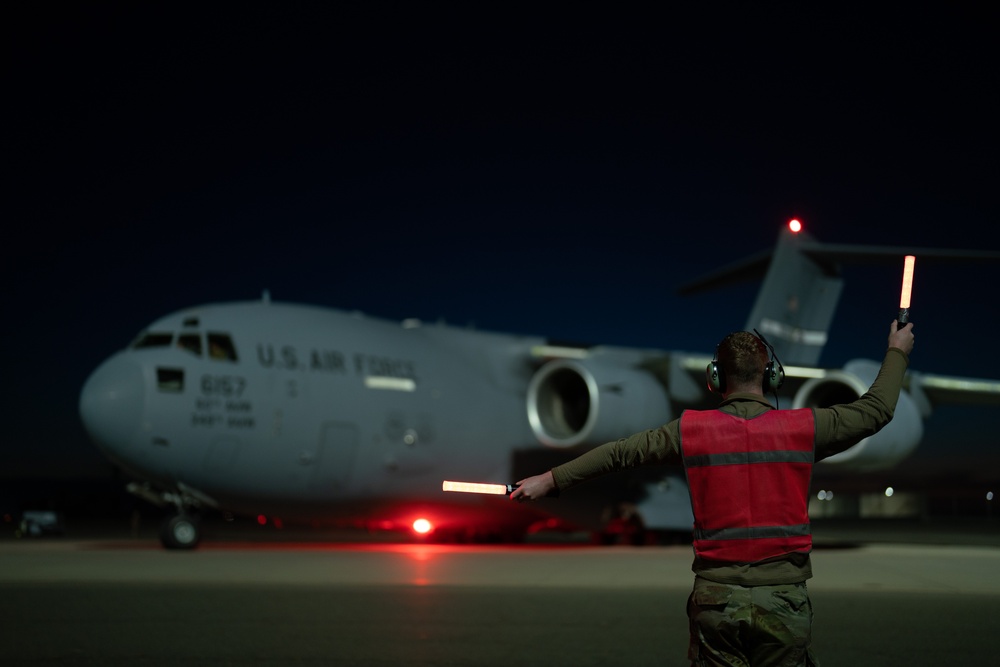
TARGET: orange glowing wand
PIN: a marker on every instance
(473, 487)
(904, 298)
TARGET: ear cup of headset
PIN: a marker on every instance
(713, 375)
(774, 376)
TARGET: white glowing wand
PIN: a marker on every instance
(904, 298)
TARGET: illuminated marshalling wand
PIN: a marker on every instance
(473, 487)
(904, 298)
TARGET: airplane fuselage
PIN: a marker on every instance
(274, 404)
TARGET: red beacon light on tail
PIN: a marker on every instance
(794, 225)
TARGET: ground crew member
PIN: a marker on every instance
(748, 468)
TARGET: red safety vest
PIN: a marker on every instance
(749, 482)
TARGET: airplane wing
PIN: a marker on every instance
(950, 390)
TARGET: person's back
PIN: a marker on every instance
(749, 483)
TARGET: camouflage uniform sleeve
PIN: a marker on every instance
(841, 426)
(652, 447)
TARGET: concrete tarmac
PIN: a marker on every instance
(128, 602)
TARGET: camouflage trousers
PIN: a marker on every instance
(750, 626)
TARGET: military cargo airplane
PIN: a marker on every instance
(296, 411)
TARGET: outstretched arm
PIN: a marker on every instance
(838, 427)
(655, 446)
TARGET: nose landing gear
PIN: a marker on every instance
(181, 531)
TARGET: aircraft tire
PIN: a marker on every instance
(180, 532)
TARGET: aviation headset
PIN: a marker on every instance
(774, 372)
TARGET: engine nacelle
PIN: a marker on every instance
(880, 451)
(573, 402)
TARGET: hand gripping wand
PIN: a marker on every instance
(904, 298)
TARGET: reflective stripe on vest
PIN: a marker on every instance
(749, 482)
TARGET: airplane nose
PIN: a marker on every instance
(112, 403)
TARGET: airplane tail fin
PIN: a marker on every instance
(802, 284)
(796, 302)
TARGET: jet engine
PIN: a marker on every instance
(880, 451)
(572, 402)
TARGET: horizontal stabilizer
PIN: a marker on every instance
(864, 254)
(745, 270)
(829, 255)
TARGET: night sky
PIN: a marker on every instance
(557, 171)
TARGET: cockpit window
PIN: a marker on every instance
(152, 339)
(191, 343)
(220, 346)
(170, 379)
